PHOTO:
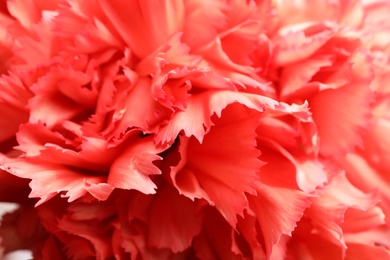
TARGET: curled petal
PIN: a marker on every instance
(277, 211)
(222, 173)
(133, 166)
(61, 179)
(195, 120)
(298, 45)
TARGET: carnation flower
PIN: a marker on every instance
(195, 129)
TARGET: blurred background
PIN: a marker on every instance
(20, 254)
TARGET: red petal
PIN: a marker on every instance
(26, 13)
(85, 153)
(225, 164)
(13, 101)
(215, 241)
(60, 178)
(97, 233)
(356, 220)
(340, 115)
(300, 171)
(172, 52)
(297, 75)
(240, 42)
(140, 110)
(379, 237)
(202, 22)
(195, 120)
(356, 251)
(144, 25)
(53, 101)
(368, 178)
(277, 211)
(327, 211)
(174, 221)
(51, 249)
(132, 168)
(12, 188)
(309, 243)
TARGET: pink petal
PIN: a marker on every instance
(88, 153)
(33, 137)
(356, 251)
(54, 101)
(14, 92)
(350, 105)
(375, 237)
(280, 163)
(183, 178)
(133, 166)
(297, 75)
(352, 13)
(37, 49)
(224, 174)
(226, 200)
(358, 66)
(357, 220)
(195, 120)
(327, 211)
(238, 74)
(26, 12)
(96, 37)
(295, 170)
(153, 22)
(202, 22)
(299, 45)
(375, 26)
(84, 28)
(311, 174)
(152, 114)
(368, 178)
(60, 178)
(221, 63)
(364, 175)
(240, 43)
(172, 52)
(277, 211)
(300, 12)
(171, 88)
(377, 139)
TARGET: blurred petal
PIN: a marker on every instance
(174, 221)
(351, 106)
